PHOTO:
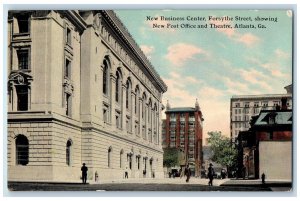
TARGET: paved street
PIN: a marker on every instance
(166, 184)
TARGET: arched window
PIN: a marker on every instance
(68, 152)
(149, 111)
(136, 100)
(118, 86)
(22, 150)
(105, 76)
(128, 97)
(144, 106)
(109, 156)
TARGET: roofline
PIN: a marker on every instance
(116, 22)
(260, 96)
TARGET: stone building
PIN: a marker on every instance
(243, 107)
(183, 129)
(80, 90)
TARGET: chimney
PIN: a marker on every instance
(283, 103)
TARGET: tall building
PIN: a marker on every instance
(80, 90)
(183, 129)
(242, 108)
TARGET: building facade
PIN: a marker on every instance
(267, 146)
(242, 108)
(183, 129)
(80, 90)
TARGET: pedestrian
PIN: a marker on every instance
(244, 172)
(211, 173)
(181, 172)
(84, 170)
(263, 177)
(187, 173)
(170, 174)
(126, 173)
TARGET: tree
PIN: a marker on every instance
(224, 152)
(171, 157)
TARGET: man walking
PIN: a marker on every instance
(210, 175)
(84, 170)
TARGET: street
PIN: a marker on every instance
(151, 185)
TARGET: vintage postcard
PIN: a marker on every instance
(149, 100)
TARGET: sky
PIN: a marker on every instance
(213, 64)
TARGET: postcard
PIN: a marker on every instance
(150, 100)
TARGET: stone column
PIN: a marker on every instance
(112, 100)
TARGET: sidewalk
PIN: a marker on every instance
(257, 182)
(177, 180)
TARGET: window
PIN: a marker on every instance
(118, 87)
(22, 96)
(23, 23)
(68, 152)
(118, 119)
(256, 104)
(105, 115)
(105, 77)
(68, 68)
(22, 150)
(237, 105)
(68, 104)
(23, 59)
(68, 36)
(128, 90)
(136, 101)
(109, 157)
(138, 162)
(247, 104)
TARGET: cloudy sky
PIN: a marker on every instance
(214, 64)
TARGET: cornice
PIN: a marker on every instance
(126, 36)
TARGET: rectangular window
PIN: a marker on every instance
(68, 36)
(68, 104)
(23, 58)
(23, 23)
(256, 104)
(105, 115)
(22, 96)
(68, 68)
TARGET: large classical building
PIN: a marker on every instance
(243, 107)
(80, 90)
(183, 129)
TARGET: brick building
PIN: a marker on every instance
(80, 90)
(183, 129)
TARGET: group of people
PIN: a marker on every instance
(187, 173)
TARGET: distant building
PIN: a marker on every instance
(243, 107)
(267, 146)
(183, 129)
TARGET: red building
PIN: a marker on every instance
(183, 129)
